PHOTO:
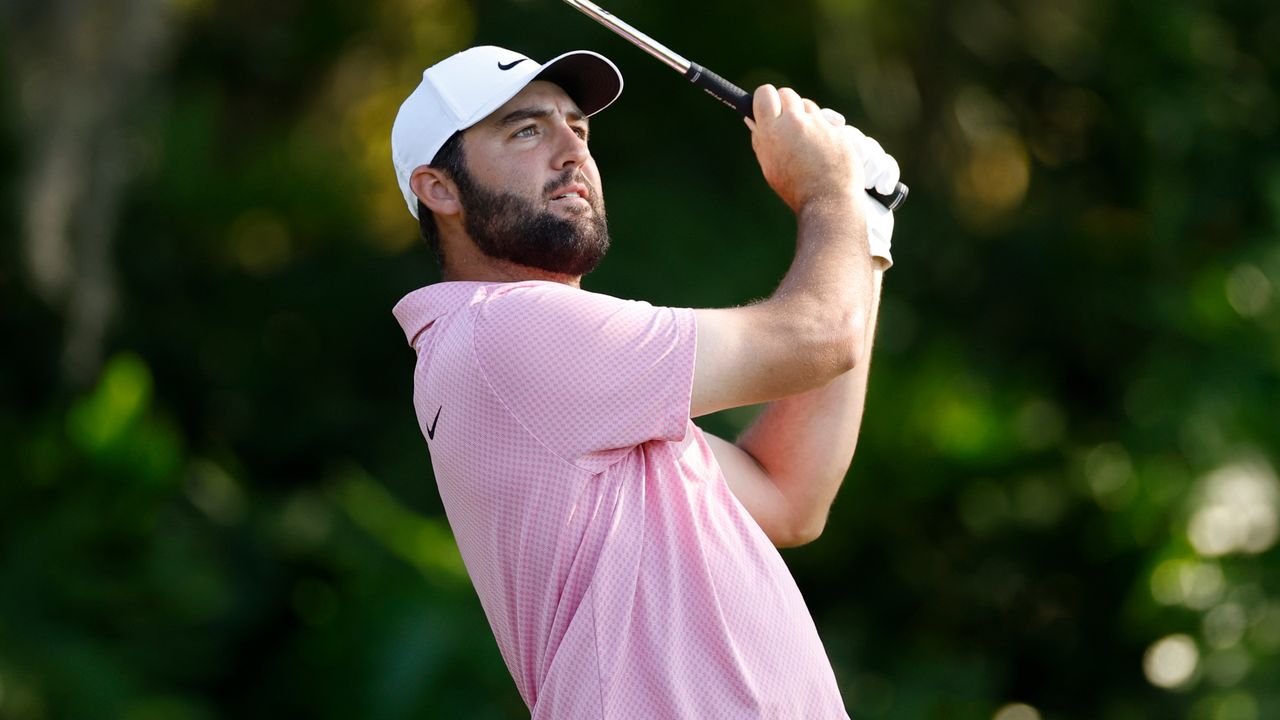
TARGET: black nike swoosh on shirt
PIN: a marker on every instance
(431, 430)
(511, 64)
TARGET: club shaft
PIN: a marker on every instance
(632, 35)
(715, 86)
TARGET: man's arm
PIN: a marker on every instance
(788, 465)
(809, 331)
(805, 349)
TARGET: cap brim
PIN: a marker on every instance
(592, 80)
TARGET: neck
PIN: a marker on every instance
(465, 262)
(503, 271)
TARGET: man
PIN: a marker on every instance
(626, 560)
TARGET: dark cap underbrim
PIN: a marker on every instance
(592, 81)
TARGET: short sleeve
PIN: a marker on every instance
(589, 375)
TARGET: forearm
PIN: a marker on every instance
(806, 442)
(828, 289)
(808, 332)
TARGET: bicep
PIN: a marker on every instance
(754, 489)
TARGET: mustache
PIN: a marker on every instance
(572, 175)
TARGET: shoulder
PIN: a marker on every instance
(543, 293)
(521, 306)
(541, 321)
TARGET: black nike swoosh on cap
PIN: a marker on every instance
(511, 64)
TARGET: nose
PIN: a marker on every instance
(572, 150)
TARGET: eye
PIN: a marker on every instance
(581, 131)
(526, 131)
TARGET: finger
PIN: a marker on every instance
(874, 178)
(872, 158)
(871, 150)
(810, 106)
(856, 137)
(766, 104)
(833, 117)
(888, 179)
(750, 123)
(874, 165)
(791, 101)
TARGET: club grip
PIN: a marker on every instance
(740, 100)
(721, 89)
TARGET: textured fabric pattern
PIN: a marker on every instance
(620, 575)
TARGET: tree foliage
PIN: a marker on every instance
(1064, 502)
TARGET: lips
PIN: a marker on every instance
(568, 192)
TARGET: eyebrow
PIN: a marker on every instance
(521, 114)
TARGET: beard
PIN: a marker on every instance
(510, 227)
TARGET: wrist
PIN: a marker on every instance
(830, 201)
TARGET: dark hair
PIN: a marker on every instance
(451, 161)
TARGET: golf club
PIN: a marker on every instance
(716, 86)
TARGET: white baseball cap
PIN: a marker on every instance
(463, 89)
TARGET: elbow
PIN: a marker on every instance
(852, 333)
(811, 530)
(801, 533)
(850, 352)
(838, 345)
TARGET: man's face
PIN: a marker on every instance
(531, 194)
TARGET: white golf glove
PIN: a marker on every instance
(881, 172)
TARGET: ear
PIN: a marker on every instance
(435, 190)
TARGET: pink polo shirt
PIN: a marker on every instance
(621, 576)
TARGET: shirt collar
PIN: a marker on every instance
(417, 310)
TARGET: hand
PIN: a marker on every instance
(881, 172)
(804, 157)
(879, 229)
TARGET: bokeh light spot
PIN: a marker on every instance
(121, 398)
(1057, 34)
(1040, 424)
(1237, 706)
(215, 492)
(304, 522)
(1109, 472)
(1224, 625)
(1265, 631)
(1249, 291)
(1017, 711)
(993, 176)
(1039, 501)
(1211, 42)
(1237, 511)
(260, 242)
(961, 421)
(1226, 668)
(1197, 585)
(994, 179)
(1171, 662)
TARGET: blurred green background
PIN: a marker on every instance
(215, 501)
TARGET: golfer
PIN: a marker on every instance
(626, 560)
